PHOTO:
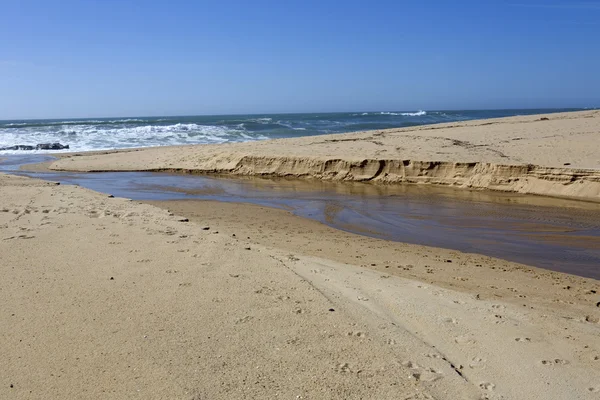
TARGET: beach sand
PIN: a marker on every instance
(104, 297)
(108, 298)
(553, 154)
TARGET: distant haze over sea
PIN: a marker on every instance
(118, 133)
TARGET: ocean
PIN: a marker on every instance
(119, 133)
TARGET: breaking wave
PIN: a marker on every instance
(116, 133)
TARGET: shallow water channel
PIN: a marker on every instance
(561, 235)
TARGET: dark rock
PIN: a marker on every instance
(18, 147)
(206, 228)
(544, 119)
(567, 163)
(331, 309)
(41, 146)
(51, 146)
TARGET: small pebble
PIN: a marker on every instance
(112, 278)
(331, 309)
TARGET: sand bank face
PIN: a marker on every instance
(554, 154)
(104, 297)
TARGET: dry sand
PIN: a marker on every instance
(554, 154)
(105, 298)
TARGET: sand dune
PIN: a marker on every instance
(553, 154)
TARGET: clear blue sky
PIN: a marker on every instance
(67, 58)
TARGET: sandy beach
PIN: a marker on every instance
(104, 297)
(551, 154)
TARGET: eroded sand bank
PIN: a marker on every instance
(553, 154)
(107, 298)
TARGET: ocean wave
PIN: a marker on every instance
(50, 124)
(419, 113)
(111, 133)
(403, 114)
(97, 137)
(415, 114)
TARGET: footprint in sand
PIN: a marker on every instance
(556, 361)
(464, 340)
(419, 396)
(451, 320)
(487, 386)
(522, 339)
(477, 362)
(357, 334)
(247, 318)
(422, 374)
(343, 368)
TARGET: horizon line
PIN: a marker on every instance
(300, 113)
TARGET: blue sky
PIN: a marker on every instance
(129, 58)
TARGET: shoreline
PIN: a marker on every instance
(496, 224)
(530, 155)
(280, 228)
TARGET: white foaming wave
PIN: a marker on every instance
(287, 124)
(405, 114)
(116, 121)
(49, 123)
(89, 137)
(415, 114)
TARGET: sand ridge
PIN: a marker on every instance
(552, 154)
(108, 298)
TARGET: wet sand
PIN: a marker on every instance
(558, 234)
